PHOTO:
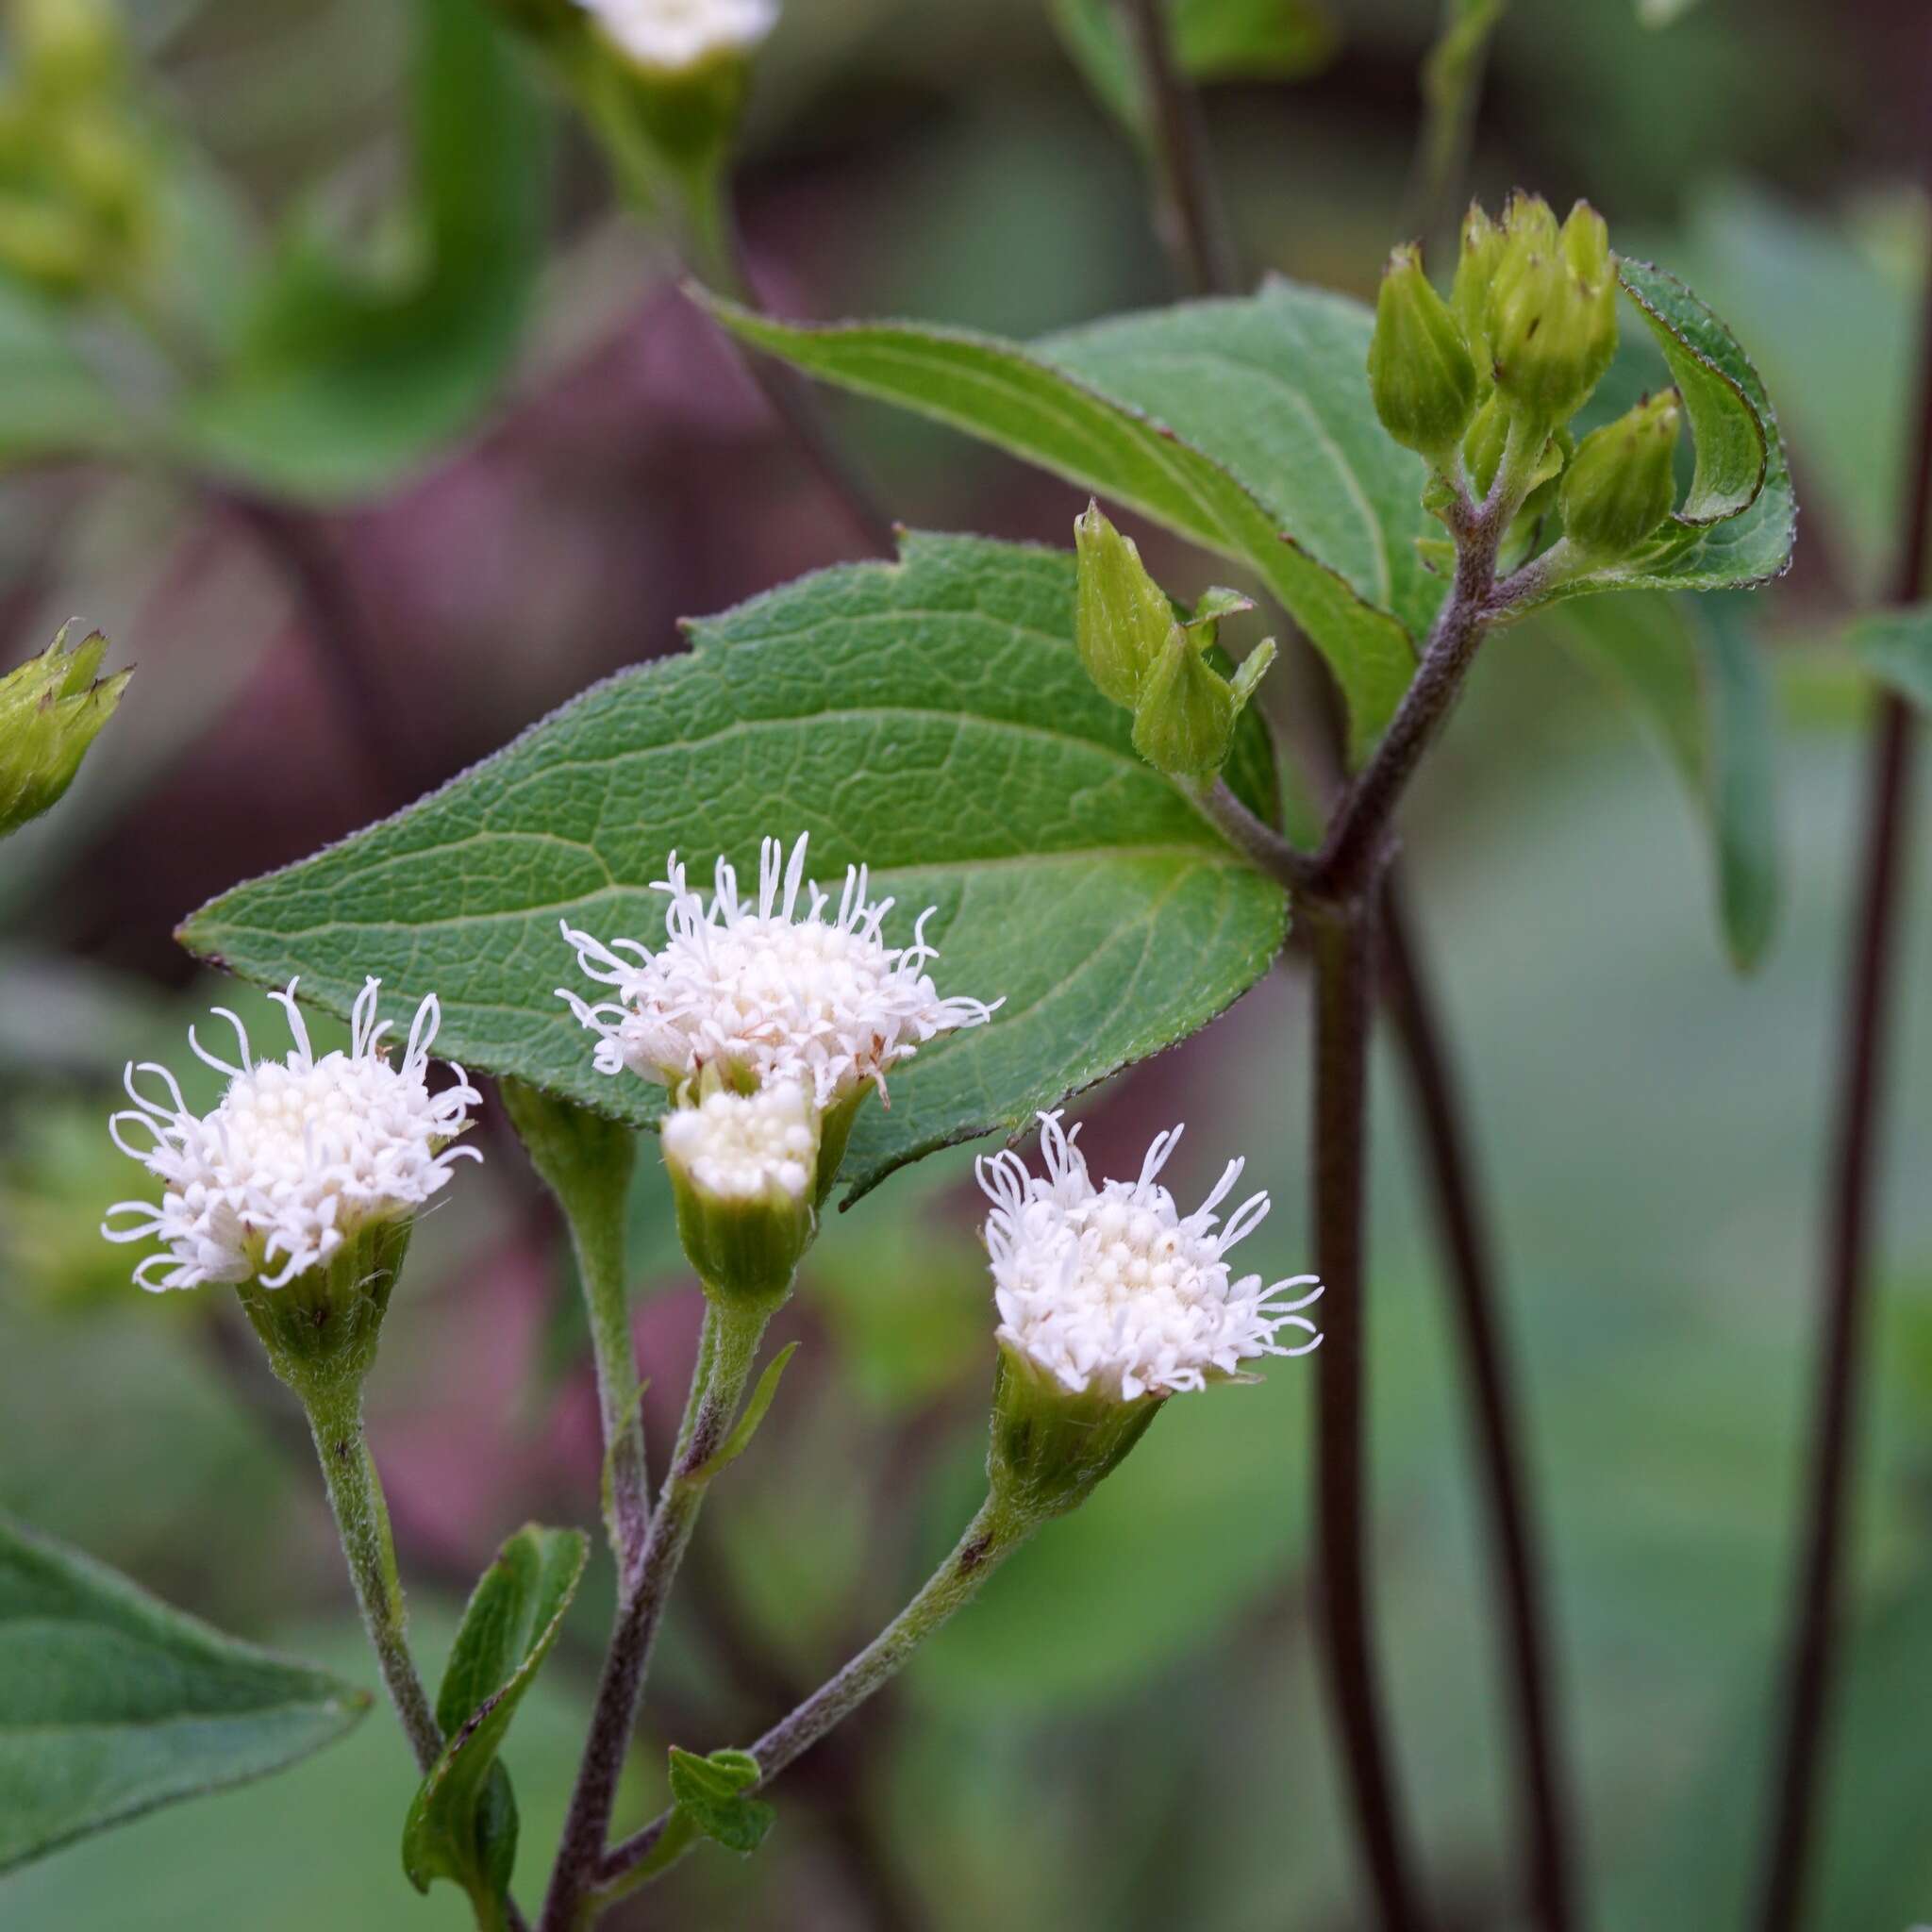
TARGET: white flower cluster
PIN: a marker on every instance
(743, 1147)
(674, 36)
(1112, 1287)
(298, 1155)
(767, 991)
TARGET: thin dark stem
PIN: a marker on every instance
(791, 400)
(1192, 222)
(1470, 1269)
(1342, 942)
(1815, 1633)
(345, 647)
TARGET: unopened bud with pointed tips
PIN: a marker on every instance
(1622, 483)
(1184, 722)
(1121, 615)
(1421, 373)
(51, 710)
(1551, 314)
(1468, 295)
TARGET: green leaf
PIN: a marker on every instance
(53, 401)
(1212, 39)
(1692, 674)
(348, 372)
(1895, 646)
(111, 1703)
(708, 1793)
(1737, 525)
(931, 718)
(1245, 426)
(462, 1825)
(739, 1441)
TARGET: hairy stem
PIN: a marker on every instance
(1342, 939)
(726, 1351)
(992, 1536)
(1884, 841)
(1189, 216)
(354, 1496)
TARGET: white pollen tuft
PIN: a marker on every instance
(746, 1146)
(673, 35)
(765, 989)
(1112, 1287)
(300, 1154)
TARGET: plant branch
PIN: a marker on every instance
(993, 1535)
(1192, 220)
(1343, 948)
(1885, 839)
(726, 1351)
(1263, 847)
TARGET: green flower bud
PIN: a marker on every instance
(1421, 373)
(66, 48)
(1049, 1447)
(44, 245)
(1623, 483)
(1121, 615)
(744, 1172)
(1468, 295)
(1183, 723)
(1551, 314)
(51, 709)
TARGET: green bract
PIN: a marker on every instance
(1421, 374)
(1620, 484)
(933, 719)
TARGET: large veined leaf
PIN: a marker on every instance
(930, 718)
(1690, 672)
(1247, 426)
(1243, 425)
(463, 1823)
(347, 372)
(111, 1703)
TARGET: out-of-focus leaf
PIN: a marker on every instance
(463, 1823)
(1895, 646)
(1662, 13)
(931, 718)
(54, 401)
(1693, 676)
(346, 373)
(1245, 426)
(1212, 39)
(1832, 305)
(111, 1703)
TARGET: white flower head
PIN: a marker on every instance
(768, 989)
(300, 1154)
(1111, 1287)
(746, 1147)
(674, 36)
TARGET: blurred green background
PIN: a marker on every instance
(1125, 1733)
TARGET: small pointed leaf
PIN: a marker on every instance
(708, 1792)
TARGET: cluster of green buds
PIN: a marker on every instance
(662, 86)
(1156, 661)
(1483, 385)
(77, 193)
(51, 710)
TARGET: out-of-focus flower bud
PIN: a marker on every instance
(51, 710)
(65, 49)
(1121, 615)
(1421, 373)
(44, 244)
(1622, 483)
